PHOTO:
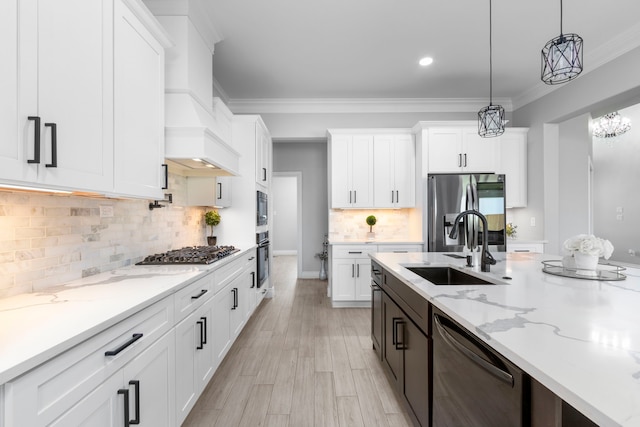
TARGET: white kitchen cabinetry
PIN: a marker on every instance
(88, 384)
(351, 274)
(263, 154)
(351, 171)
(513, 164)
(514, 246)
(400, 248)
(139, 108)
(460, 149)
(63, 88)
(209, 191)
(394, 162)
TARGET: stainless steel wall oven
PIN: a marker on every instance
(262, 210)
(262, 239)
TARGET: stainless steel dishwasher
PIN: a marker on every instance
(472, 384)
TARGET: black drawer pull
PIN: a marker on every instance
(204, 335)
(54, 145)
(201, 345)
(202, 292)
(133, 339)
(166, 176)
(36, 140)
(253, 279)
(355, 252)
(136, 384)
(219, 191)
(125, 393)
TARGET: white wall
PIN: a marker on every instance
(284, 191)
(616, 179)
(310, 159)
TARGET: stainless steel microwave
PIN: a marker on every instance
(262, 208)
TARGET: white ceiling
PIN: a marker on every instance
(363, 49)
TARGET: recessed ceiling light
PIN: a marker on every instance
(427, 60)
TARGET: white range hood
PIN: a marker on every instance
(198, 138)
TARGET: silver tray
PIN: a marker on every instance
(603, 271)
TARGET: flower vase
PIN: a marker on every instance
(586, 265)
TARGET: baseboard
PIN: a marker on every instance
(309, 275)
(283, 253)
(351, 304)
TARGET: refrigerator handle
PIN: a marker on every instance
(432, 214)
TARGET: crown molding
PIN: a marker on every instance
(612, 49)
(360, 105)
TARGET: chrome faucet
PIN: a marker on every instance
(486, 259)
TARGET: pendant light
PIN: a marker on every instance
(611, 125)
(491, 118)
(562, 57)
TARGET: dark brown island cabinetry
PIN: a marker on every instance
(408, 333)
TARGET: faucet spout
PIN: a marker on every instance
(486, 259)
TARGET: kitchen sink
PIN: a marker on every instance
(447, 276)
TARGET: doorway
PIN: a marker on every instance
(286, 191)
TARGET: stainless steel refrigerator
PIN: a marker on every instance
(450, 194)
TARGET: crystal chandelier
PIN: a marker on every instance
(611, 125)
(491, 118)
(562, 57)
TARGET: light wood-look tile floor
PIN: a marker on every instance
(299, 362)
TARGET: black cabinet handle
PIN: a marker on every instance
(166, 176)
(125, 393)
(253, 279)
(252, 258)
(235, 298)
(204, 334)
(350, 196)
(459, 160)
(392, 196)
(202, 292)
(394, 331)
(36, 140)
(136, 398)
(54, 145)
(133, 339)
(264, 174)
(399, 344)
(358, 270)
(355, 252)
(397, 196)
(201, 345)
(353, 270)
(465, 160)
(219, 191)
(355, 196)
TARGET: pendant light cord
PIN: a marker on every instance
(490, 60)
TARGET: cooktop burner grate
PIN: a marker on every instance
(190, 255)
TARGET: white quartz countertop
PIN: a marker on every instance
(579, 338)
(374, 242)
(37, 326)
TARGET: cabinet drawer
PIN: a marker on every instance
(193, 296)
(52, 388)
(355, 251)
(410, 301)
(225, 274)
(400, 248)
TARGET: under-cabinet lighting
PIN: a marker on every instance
(26, 188)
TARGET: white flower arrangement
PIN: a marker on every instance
(588, 244)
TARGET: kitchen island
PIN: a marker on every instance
(579, 338)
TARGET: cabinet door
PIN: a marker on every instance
(16, 132)
(376, 319)
(205, 360)
(263, 155)
(153, 370)
(343, 279)
(513, 164)
(362, 171)
(391, 351)
(416, 371)
(479, 154)
(223, 191)
(383, 165)
(341, 193)
(221, 325)
(139, 108)
(187, 337)
(404, 171)
(445, 150)
(239, 307)
(363, 279)
(75, 91)
(103, 407)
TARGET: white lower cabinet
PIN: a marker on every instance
(351, 273)
(94, 383)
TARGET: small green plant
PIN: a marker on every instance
(511, 230)
(212, 218)
(371, 221)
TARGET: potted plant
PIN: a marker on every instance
(371, 221)
(583, 252)
(512, 230)
(212, 218)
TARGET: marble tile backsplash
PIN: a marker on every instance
(392, 224)
(47, 240)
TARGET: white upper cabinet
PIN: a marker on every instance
(351, 171)
(394, 171)
(263, 155)
(58, 87)
(209, 191)
(139, 108)
(460, 149)
(513, 164)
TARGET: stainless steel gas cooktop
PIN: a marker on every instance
(190, 255)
